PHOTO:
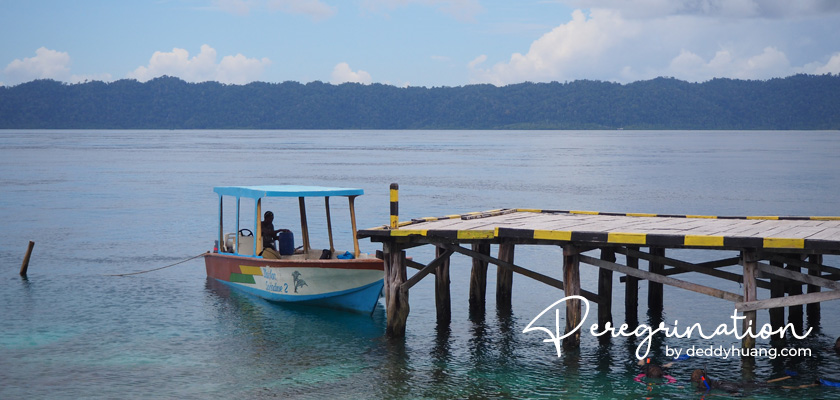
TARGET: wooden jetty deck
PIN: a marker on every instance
(774, 250)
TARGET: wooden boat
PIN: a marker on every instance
(329, 278)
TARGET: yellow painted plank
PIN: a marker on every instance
(553, 235)
(703, 240)
(825, 218)
(406, 232)
(249, 270)
(628, 238)
(584, 212)
(702, 216)
(640, 215)
(769, 217)
(476, 234)
(784, 243)
(532, 210)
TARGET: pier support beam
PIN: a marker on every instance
(749, 259)
(571, 280)
(478, 280)
(655, 289)
(795, 314)
(631, 292)
(396, 297)
(813, 309)
(777, 290)
(504, 278)
(443, 300)
(605, 286)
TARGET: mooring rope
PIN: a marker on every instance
(156, 269)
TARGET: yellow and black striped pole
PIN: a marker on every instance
(395, 207)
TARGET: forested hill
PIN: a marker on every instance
(796, 102)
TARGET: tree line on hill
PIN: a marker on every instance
(796, 102)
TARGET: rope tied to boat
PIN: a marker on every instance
(159, 268)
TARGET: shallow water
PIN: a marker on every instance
(110, 202)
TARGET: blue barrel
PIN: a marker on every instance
(286, 243)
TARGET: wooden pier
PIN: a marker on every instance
(777, 254)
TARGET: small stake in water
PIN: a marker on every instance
(25, 265)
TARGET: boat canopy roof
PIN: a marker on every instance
(258, 192)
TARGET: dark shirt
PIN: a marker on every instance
(268, 234)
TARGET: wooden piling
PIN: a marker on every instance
(813, 309)
(605, 285)
(478, 280)
(794, 288)
(631, 292)
(396, 296)
(655, 301)
(571, 280)
(750, 263)
(504, 278)
(395, 206)
(777, 290)
(24, 267)
(443, 301)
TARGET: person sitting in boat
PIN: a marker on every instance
(269, 234)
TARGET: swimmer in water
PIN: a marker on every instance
(704, 383)
(651, 370)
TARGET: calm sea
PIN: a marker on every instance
(108, 202)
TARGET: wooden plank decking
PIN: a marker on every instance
(783, 241)
(820, 234)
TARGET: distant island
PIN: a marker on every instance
(806, 102)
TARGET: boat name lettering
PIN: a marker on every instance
(269, 274)
(281, 288)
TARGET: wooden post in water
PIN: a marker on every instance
(605, 285)
(24, 267)
(571, 284)
(749, 260)
(504, 278)
(795, 314)
(631, 292)
(395, 206)
(655, 289)
(777, 289)
(813, 309)
(478, 280)
(396, 297)
(443, 301)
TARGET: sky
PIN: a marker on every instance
(428, 43)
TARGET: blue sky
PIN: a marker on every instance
(416, 42)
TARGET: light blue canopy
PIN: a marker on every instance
(258, 192)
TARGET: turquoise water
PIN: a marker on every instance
(109, 202)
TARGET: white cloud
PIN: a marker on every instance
(464, 10)
(831, 67)
(769, 63)
(236, 69)
(605, 44)
(567, 52)
(47, 64)
(342, 73)
(477, 61)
